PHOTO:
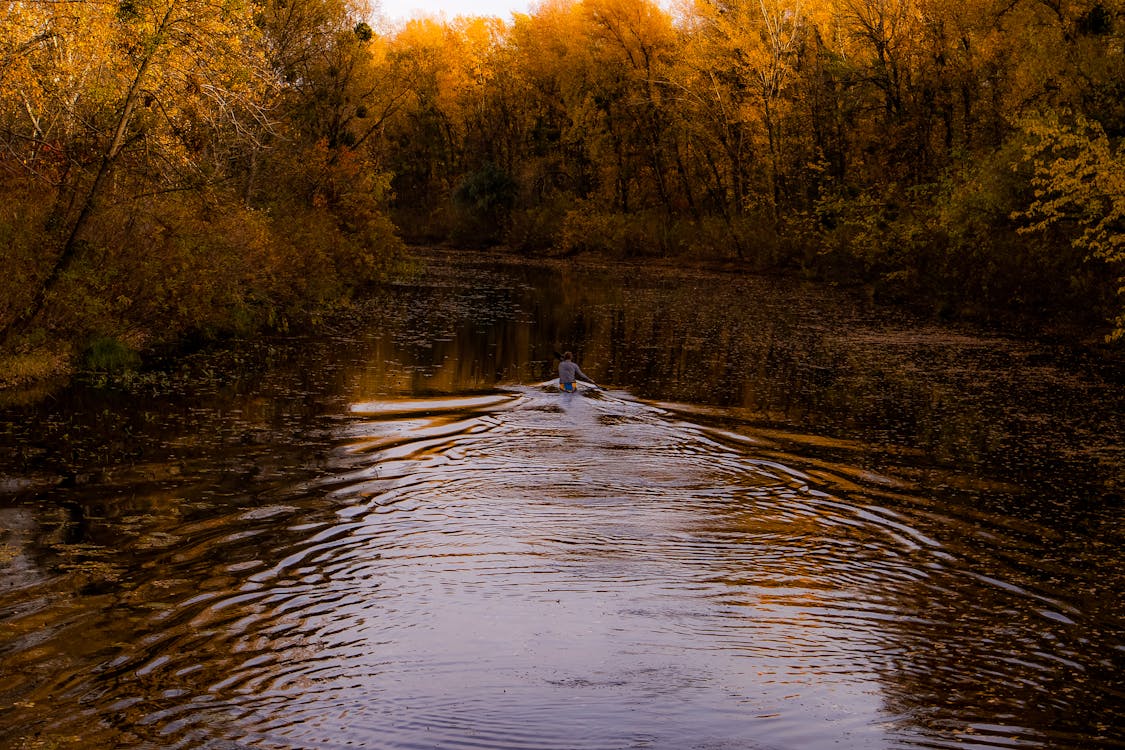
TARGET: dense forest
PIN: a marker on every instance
(175, 169)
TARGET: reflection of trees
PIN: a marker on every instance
(792, 354)
(128, 506)
(770, 350)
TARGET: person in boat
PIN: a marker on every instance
(569, 372)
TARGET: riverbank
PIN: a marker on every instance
(1081, 329)
(1087, 339)
(52, 354)
(32, 374)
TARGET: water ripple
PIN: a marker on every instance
(528, 570)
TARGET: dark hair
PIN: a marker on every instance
(568, 355)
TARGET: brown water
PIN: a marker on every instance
(789, 522)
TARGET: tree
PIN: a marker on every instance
(1079, 180)
(753, 48)
(167, 71)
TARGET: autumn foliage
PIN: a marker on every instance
(961, 157)
(172, 168)
(180, 165)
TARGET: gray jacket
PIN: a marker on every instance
(570, 371)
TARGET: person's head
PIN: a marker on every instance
(568, 356)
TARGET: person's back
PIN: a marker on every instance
(569, 372)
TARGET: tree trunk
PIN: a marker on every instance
(70, 246)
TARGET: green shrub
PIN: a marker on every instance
(111, 355)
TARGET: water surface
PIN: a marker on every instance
(789, 522)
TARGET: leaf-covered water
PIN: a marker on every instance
(789, 522)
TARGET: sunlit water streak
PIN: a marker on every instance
(530, 569)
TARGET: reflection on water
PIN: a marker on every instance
(792, 531)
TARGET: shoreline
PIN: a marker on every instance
(27, 377)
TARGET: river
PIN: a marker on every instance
(789, 520)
